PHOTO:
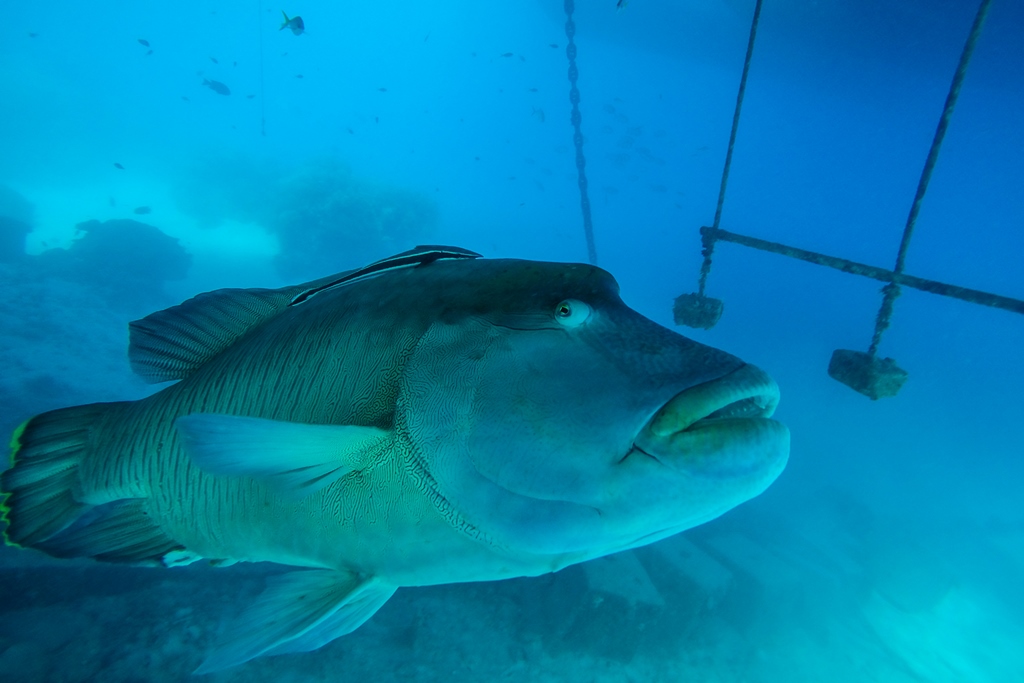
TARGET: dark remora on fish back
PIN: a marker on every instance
(431, 418)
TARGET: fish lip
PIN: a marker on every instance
(747, 392)
(721, 428)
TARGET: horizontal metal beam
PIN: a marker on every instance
(973, 296)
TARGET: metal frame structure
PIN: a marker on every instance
(864, 372)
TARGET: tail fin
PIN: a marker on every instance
(40, 487)
(47, 505)
(286, 20)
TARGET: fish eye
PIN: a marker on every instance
(572, 312)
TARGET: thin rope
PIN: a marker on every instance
(892, 290)
(263, 99)
(577, 136)
(708, 240)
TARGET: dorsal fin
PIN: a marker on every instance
(420, 256)
(171, 344)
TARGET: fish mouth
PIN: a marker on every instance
(747, 392)
(720, 428)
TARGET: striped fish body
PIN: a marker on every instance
(307, 366)
(335, 355)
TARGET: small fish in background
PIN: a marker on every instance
(249, 97)
(143, 42)
(532, 89)
(298, 75)
(118, 166)
(507, 54)
(234, 63)
(538, 114)
(376, 119)
(214, 60)
(142, 210)
(33, 35)
(296, 24)
(217, 87)
(553, 45)
(620, 5)
(149, 52)
(382, 89)
(185, 99)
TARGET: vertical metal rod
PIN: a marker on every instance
(709, 241)
(736, 114)
(892, 290)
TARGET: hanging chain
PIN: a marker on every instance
(577, 135)
(263, 97)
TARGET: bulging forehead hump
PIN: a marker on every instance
(451, 291)
(512, 284)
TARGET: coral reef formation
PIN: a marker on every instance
(124, 260)
(15, 224)
(324, 216)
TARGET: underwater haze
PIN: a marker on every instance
(155, 151)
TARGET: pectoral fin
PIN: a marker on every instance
(298, 612)
(295, 458)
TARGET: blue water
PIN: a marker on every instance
(889, 550)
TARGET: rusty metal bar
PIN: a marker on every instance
(973, 296)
